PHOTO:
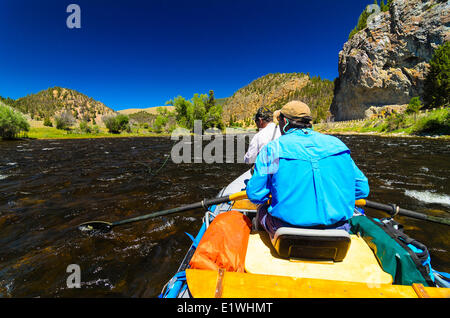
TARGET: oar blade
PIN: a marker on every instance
(95, 226)
(101, 226)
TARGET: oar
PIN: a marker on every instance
(393, 210)
(107, 226)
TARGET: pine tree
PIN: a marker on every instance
(437, 81)
(384, 7)
(211, 101)
(362, 22)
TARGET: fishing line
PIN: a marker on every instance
(157, 171)
(162, 166)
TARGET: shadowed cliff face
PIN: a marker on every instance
(386, 63)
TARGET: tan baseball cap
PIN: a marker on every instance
(295, 110)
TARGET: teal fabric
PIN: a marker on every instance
(393, 258)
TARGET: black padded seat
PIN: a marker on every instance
(311, 244)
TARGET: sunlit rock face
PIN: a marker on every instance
(386, 63)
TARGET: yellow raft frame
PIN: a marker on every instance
(269, 276)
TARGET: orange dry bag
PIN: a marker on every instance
(224, 243)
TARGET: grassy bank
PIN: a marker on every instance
(432, 123)
(53, 133)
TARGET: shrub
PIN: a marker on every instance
(95, 129)
(11, 122)
(394, 122)
(64, 120)
(116, 124)
(84, 127)
(437, 122)
(110, 123)
(414, 106)
(160, 123)
(48, 122)
(123, 122)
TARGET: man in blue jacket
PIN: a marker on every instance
(310, 178)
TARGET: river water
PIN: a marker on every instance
(48, 187)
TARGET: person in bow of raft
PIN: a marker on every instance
(310, 178)
(268, 131)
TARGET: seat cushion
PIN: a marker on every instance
(311, 244)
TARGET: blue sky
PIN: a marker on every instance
(131, 54)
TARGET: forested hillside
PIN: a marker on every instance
(52, 101)
(274, 91)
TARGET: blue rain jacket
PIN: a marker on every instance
(311, 177)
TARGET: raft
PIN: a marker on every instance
(374, 263)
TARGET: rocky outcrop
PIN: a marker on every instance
(383, 112)
(386, 63)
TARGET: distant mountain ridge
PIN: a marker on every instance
(150, 110)
(52, 101)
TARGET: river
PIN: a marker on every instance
(48, 187)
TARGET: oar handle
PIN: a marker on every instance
(202, 204)
(238, 196)
(394, 210)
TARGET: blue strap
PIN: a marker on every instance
(442, 279)
(178, 277)
(360, 210)
(426, 263)
(194, 241)
(444, 275)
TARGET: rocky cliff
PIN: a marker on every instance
(386, 63)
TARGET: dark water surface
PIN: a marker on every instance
(48, 187)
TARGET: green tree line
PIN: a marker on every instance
(200, 107)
